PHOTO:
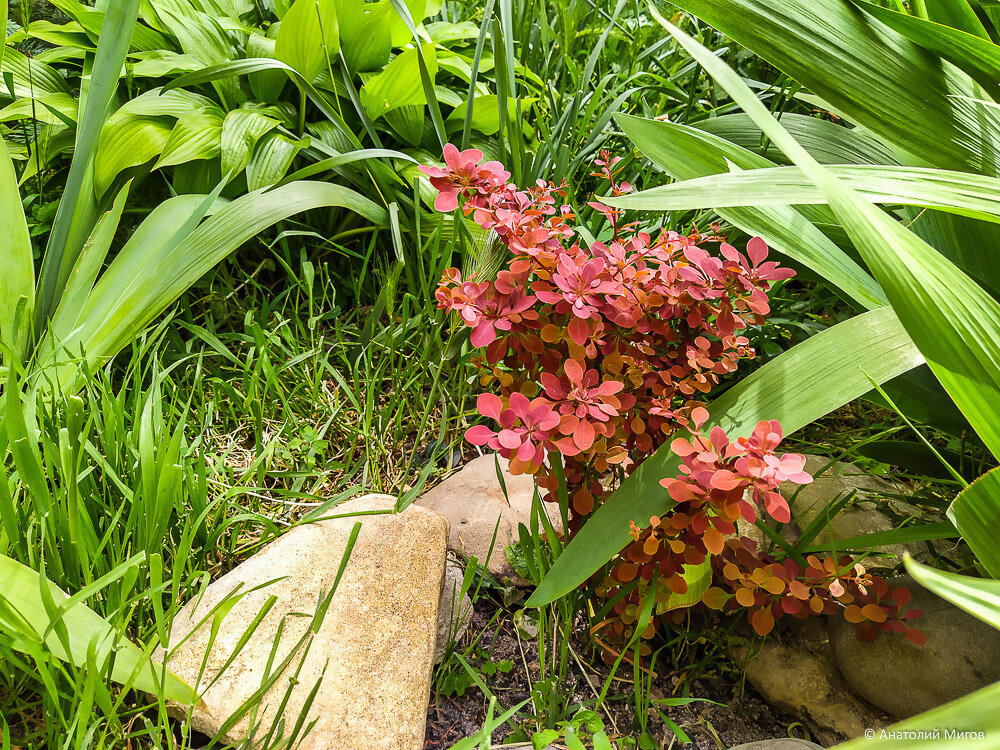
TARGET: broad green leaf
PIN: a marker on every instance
(408, 122)
(271, 159)
(196, 135)
(256, 64)
(399, 84)
(686, 153)
(974, 54)
(241, 130)
(970, 195)
(873, 75)
(796, 388)
(40, 108)
(485, 114)
(162, 63)
(399, 31)
(979, 597)
(951, 319)
(151, 272)
(309, 37)
(131, 142)
(78, 206)
(976, 513)
(828, 142)
(139, 131)
(30, 77)
(17, 280)
(698, 578)
(266, 84)
(365, 34)
(83, 626)
(91, 20)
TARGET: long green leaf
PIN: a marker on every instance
(871, 74)
(150, 272)
(21, 591)
(972, 195)
(828, 142)
(17, 280)
(976, 513)
(965, 724)
(78, 206)
(951, 319)
(975, 54)
(978, 596)
(796, 388)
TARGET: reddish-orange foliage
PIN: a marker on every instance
(600, 354)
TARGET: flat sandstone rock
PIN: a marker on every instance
(474, 503)
(371, 656)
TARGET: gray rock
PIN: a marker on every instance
(454, 611)
(473, 502)
(786, 743)
(962, 654)
(865, 514)
(371, 656)
(795, 672)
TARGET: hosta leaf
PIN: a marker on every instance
(272, 158)
(796, 388)
(266, 84)
(195, 136)
(408, 122)
(485, 113)
(40, 108)
(131, 142)
(399, 84)
(30, 77)
(309, 37)
(365, 34)
(241, 130)
(162, 63)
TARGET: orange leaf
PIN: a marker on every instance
(774, 585)
(762, 621)
(715, 598)
(853, 613)
(874, 613)
(746, 597)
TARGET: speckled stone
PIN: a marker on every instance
(371, 656)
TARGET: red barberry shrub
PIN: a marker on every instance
(600, 354)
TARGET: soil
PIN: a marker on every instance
(737, 715)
